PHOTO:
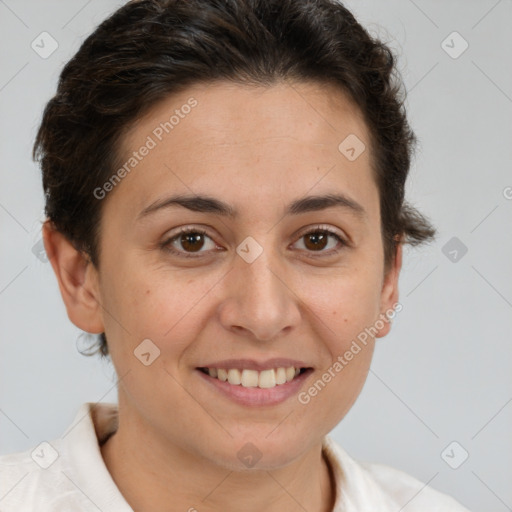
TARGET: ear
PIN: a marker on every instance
(77, 278)
(389, 293)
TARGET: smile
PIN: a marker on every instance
(255, 379)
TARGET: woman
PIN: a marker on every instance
(271, 136)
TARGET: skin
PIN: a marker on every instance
(258, 149)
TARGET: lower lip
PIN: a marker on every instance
(257, 396)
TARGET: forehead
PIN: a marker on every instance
(247, 142)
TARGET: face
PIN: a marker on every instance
(255, 283)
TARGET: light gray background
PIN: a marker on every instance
(442, 375)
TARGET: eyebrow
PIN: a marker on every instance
(208, 204)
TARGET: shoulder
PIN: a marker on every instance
(67, 473)
(372, 486)
(39, 480)
(23, 480)
(14, 468)
(411, 493)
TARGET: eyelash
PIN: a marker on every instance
(166, 245)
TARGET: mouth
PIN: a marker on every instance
(255, 383)
(248, 378)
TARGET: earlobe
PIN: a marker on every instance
(389, 294)
(77, 279)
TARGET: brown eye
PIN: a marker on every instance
(191, 241)
(317, 240)
(187, 242)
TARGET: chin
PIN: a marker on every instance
(253, 453)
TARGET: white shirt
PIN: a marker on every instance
(69, 475)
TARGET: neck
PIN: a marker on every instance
(161, 476)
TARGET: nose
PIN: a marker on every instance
(260, 301)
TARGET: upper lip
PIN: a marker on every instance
(251, 364)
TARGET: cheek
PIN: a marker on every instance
(345, 304)
(347, 349)
(164, 306)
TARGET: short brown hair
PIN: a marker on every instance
(149, 49)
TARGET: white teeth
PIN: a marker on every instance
(252, 378)
(234, 377)
(267, 379)
(280, 376)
